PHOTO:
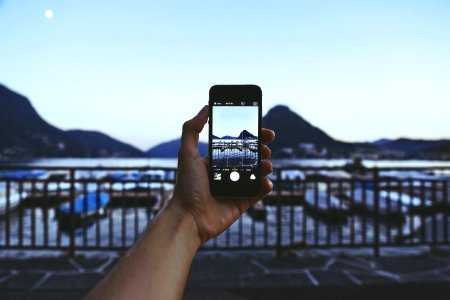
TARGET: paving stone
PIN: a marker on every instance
(371, 278)
(35, 264)
(90, 263)
(403, 265)
(426, 278)
(446, 273)
(21, 281)
(223, 268)
(224, 282)
(219, 273)
(350, 265)
(71, 282)
(217, 294)
(332, 278)
(278, 280)
(296, 263)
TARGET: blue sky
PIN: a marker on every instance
(360, 70)
(231, 120)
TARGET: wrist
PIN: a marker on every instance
(184, 224)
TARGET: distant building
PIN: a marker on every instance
(307, 148)
(287, 150)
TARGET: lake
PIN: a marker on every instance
(172, 162)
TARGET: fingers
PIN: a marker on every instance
(267, 136)
(266, 187)
(266, 152)
(266, 167)
(191, 131)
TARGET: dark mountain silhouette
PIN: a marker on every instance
(246, 135)
(170, 149)
(97, 144)
(228, 137)
(243, 135)
(418, 148)
(381, 142)
(25, 134)
(291, 130)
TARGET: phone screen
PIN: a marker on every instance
(234, 146)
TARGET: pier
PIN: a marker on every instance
(304, 210)
(240, 153)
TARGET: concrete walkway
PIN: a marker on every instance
(246, 276)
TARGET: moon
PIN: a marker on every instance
(48, 14)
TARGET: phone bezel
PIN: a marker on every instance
(235, 93)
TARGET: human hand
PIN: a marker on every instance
(192, 195)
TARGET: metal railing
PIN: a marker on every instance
(105, 208)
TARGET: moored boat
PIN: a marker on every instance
(10, 197)
(85, 208)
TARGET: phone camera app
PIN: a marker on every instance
(235, 137)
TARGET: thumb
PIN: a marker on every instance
(191, 131)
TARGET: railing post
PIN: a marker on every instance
(376, 225)
(446, 209)
(278, 195)
(72, 213)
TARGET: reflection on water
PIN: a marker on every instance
(172, 162)
(121, 227)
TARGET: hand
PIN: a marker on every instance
(192, 196)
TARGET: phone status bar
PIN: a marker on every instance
(235, 103)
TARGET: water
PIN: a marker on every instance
(172, 162)
(120, 227)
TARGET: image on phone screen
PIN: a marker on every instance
(235, 136)
(234, 146)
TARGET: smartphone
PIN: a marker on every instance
(235, 140)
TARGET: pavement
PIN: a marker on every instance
(247, 275)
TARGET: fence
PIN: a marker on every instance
(108, 208)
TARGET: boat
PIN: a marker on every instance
(404, 199)
(86, 207)
(324, 206)
(23, 174)
(136, 181)
(13, 199)
(257, 212)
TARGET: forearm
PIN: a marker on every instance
(157, 266)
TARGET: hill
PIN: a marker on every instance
(292, 130)
(170, 149)
(419, 148)
(97, 144)
(25, 134)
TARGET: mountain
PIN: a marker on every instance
(25, 134)
(246, 135)
(97, 144)
(291, 130)
(170, 149)
(228, 137)
(419, 148)
(380, 142)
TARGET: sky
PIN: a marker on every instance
(232, 120)
(137, 69)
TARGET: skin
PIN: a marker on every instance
(157, 266)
